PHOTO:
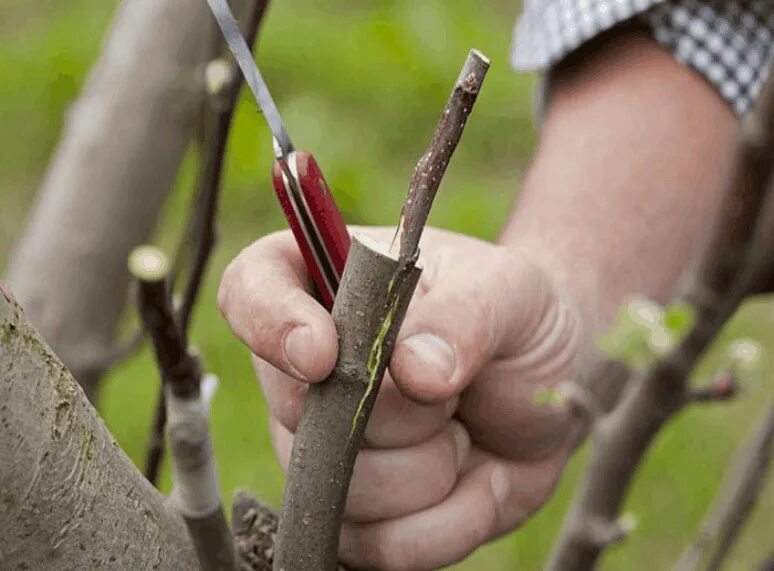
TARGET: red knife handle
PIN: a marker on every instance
(315, 220)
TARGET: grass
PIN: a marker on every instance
(361, 86)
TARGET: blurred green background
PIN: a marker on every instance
(360, 84)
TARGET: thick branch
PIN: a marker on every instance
(116, 161)
(718, 286)
(71, 498)
(728, 249)
(432, 165)
(744, 482)
(368, 310)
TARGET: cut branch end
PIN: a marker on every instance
(148, 264)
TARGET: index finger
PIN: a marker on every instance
(265, 297)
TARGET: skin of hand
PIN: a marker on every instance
(620, 192)
(454, 436)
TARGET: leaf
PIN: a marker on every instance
(679, 318)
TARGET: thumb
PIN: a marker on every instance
(481, 304)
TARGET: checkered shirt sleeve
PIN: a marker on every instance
(729, 42)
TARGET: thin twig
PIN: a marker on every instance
(723, 387)
(719, 284)
(195, 489)
(201, 233)
(432, 165)
(744, 482)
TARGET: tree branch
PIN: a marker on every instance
(368, 310)
(219, 114)
(373, 296)
(71, 498)
(195, 488)
(201, 233)
(718, 286)
(432, 165)
(102, 193)
(744, 482)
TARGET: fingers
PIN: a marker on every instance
(395, 421)
(440, 535)
(479, 304)
(393, 482)
(264, 296)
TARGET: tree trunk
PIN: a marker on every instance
(69, 497)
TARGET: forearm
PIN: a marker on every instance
(633, 153)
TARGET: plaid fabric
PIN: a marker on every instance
(729, 42)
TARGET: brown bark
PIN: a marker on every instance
(369, 308)
(71, 499)
(431, 166)
(115, 163)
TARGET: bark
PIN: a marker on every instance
(432, 165)
(70, 498)
(369, 308)
(115, 163)
(194, 475)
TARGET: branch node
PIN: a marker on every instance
(604, 533)
(724, 386)
(580, 401)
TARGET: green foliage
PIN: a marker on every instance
(361, 85)
(644, 330)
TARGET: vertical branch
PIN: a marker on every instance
(744, 482)
(195, 489)
(432, 165)
(720, 282)
(375, 291)
(219, 114)
(201, 234)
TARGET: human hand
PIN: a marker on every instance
(456, 450)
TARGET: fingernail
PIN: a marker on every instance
(462, 440)
(500, 484)
(437, 355)
(297, 346)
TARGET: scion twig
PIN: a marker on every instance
(431, 167)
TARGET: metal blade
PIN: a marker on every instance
(244, 58)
